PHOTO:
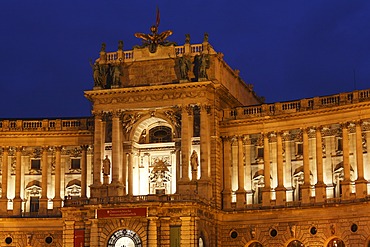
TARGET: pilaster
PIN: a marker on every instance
(266, 191)
(346, 183)
(306, 187)
(320, 187)
(4, 182)
(57, 201)
(226, 193)
(280, 190)
(361, 183)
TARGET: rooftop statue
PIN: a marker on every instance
(154, 39)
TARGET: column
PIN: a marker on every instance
(130, 175)
(116, 187)
(361, 183)
(178, 157)
(4, 182)
(346, 183)
(84, 170)
(44, 182)
(248, 170)
(280, 189)
(152, 231)
(320, 187)
(57, 201)
(266, 191)
(226, 193)
(240, 193)
(17, 202)
(116, 147)
(124, 170)
(306, 187)
(98, 147)
(186, 135)
(204, 142)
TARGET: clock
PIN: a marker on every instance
(124, 238)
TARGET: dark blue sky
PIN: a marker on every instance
(288, 49)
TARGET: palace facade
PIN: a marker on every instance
(180, 151)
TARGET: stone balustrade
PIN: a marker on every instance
(128, 56)
(73, 202)
(46, 124)
(297, 105)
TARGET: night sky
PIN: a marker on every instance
(288, 49)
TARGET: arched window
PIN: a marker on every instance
(336, 242)
(160, 134)
(295, 243)
(255, 244)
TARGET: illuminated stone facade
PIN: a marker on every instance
(177, 153)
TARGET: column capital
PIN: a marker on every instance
(318, 128)
(344, 125)
(358, 122)
(6, 149)
(116, 113)
(189, 109)
(84, 147)
(206, 108)
(97, 114)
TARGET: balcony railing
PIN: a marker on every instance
(76, 202)
(297, 105)
(46, 124)
(129, 55)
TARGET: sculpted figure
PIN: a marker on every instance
(106, 166)
(194, 161)
(116, 74)
(97, 74)
(184, 65)
(201, 65)
(103, 46)
(120, 45)
(187, 38)
(154, 39)
(205, 37)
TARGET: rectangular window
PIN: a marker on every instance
(175, 236)
(339, 144)
(36, 164)
(75, 164)
(299, 148)
(260, 152)
(34, 204)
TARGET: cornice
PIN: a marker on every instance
(296, 115)
(128, 90)
(44, 134)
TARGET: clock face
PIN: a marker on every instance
(125, 242)
(124, 238)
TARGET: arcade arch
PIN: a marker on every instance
(154, 160)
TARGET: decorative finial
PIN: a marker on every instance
(103, 46)
(205, 37)
(120, 45)
(187, 38)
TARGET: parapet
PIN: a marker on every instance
(169, 64)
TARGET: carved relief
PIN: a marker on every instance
(174, 117)
(129, 120)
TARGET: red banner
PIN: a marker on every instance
(121, 212)
(79, 240)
